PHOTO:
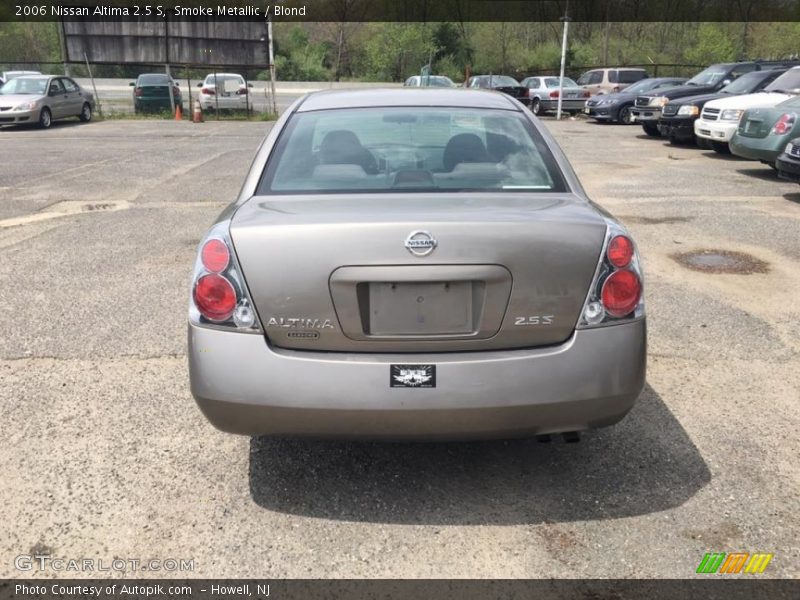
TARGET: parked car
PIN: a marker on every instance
(225, 91)
(788, 163)
(370, 292)
(151, 93)
(647, 108)
(678, 116)
(501, 83)
(543, 94)
(764, 133)
(610, 81)
(429, 81)
(42, 99)
(720, 119)
(617, 106)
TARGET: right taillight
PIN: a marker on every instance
(219, 295)
(621, 292)
(784, 124)
(615, 294)
(620, 251)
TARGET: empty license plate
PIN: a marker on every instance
(420, 309)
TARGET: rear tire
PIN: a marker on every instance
(721, 147)
(86, 113)
(45, 118)
(536, 107)
(651, 130)
(624, 115)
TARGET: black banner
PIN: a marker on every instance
(406, 10)
(715, 587)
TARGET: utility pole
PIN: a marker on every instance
(62, 38)
(565, 19)
(271, 64)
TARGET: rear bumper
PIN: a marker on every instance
(566, 104)
(245, 386)
(715, 131)
(225, 103)
(155, 104)
(766, 150)
(788, 168)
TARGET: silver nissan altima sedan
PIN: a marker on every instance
(414, 264)
(42, 99)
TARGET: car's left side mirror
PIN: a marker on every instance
(726, 81)
(249, 85)
(199, 85)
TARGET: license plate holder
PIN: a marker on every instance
(421, 308)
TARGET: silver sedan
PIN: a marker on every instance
(414, 264)
(42, 99)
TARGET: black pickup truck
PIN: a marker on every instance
(647, 109)
(678, 116)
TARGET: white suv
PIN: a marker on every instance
(720, 118)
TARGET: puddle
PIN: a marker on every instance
(656, 220)
(721, 261)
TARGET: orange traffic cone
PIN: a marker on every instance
(197, 115)
(178, 112)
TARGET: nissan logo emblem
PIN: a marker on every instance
(420, 243)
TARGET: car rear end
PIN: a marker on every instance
(764, 133)
(413, 312)
(224, 92)
(152, 93)
(574, 99)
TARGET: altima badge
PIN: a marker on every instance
(420, 243)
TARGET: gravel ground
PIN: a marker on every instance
(106, 455)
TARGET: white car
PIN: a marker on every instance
(720, 118)
(225, 91)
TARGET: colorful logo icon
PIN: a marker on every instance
(734, 562)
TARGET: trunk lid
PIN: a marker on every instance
(335, 273)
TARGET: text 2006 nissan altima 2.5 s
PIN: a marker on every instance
(414, 264)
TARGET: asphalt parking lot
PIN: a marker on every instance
(106, 455)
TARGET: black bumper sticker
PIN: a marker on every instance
(412, 376)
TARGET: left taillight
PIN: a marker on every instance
(785, 124)
(616, 292)
(219, 296)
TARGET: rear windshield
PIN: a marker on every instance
(153, 80)
(552, 82)
(494, 81)
(410, 149)
(223, 79)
